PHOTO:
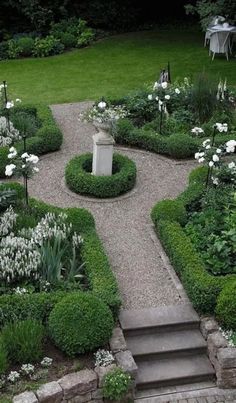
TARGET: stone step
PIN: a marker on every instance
(174, 371)
(144, 321)
(162, 344)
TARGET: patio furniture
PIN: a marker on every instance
(219, 43)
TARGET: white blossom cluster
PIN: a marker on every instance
(25, 164)
(228, 334)
(77, 240)
(7, 221)
(8, 134)
(221, 127)
(197, 131)
(104, 114)
(46, 362)
(13, 376)
(18, 258)
(20, 290)
(27, 369)
(103, 358)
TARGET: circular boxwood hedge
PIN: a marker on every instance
(80, 322)
(79, 178)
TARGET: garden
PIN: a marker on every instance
(59, 296)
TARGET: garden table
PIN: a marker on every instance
(221, 38)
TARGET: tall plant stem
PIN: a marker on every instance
(6, 100)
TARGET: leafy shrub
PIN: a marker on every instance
(116, 384)
(24, 341)
(172, 210)
(47, 46)
(80, 323)
(7, 198)
(68, 40)
(85, 38)
(13, 51)
(226, 306)
(3, 50)
(181, 145)
(26, 46)
(79, 178)
(3, 357)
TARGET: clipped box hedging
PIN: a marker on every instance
(48, 137)
(101, 279)
(80, 180)
(202, 288)
(226, 306)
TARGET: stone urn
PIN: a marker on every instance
(102, 150)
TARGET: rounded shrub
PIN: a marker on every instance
(79, 178)
(80, 322)
(68, 40)
(24, 341)
(171, 210)
(226, 306)
(3, 357)
(181, 145)
(26, 46)
(116, 384)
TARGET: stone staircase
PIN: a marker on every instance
(167, 347)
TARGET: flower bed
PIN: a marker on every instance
(46, 137)
(203, 288)
(79, 178)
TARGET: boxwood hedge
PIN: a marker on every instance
(101, 280)
(178, 145)
(202, 288)
(79, 179)
(48, 137)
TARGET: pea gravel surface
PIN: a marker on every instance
(144, 275)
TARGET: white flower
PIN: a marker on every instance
(155, 85)
(205, 142)
(211, 164)
(160, 103)
(167, 97)
(208, 147)
(150, 97)
(102, 105)
(103, 358)
(215, 181)
(32, 158)
(46, 362)
(157, 98)
(231, 165)
(218, 150)
(13, 376)
(27, 369)
(215, 158)
(35, 169)
(177, 91)
(9, 169)
(221, 127)
(25, 155)
(196, 156)
(197, 130)
(230, 146)
(201, 159)
(9, 104)
(164, 85)
(18, 100)
(12, 153)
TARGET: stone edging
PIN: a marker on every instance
(222, 356)
(85, 386)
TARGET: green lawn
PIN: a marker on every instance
(112, 67)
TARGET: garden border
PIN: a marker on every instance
(48, 137)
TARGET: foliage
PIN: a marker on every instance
(7, 198)
(203, 101)
(3, 357)
(207, 9)
(116, 384)
(226, 306)
(181, 145)
(80, 323)
(79, 178)
(24, 341)
(172, 210)
(26, 46)
(47, 46)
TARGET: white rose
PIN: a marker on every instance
(231, 165)
(215, 158)
(211, 164)
(102, 105)
(167, 97)
(164, 85)
(177, 91)
(150, 97)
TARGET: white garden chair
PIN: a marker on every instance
(219, 43)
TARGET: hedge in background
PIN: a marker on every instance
(102, 281)
(79, 178)
(48, 137)
(202, 288)
(226, 306)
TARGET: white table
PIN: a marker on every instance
(220, 28)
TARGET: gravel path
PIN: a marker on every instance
(124, 223)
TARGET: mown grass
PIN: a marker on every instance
(113, 66)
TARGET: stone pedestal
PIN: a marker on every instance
(102, 152)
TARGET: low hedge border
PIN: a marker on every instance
(202, 288)
(178, 145)
(79, 179)
(48, 137)
(102, 281)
